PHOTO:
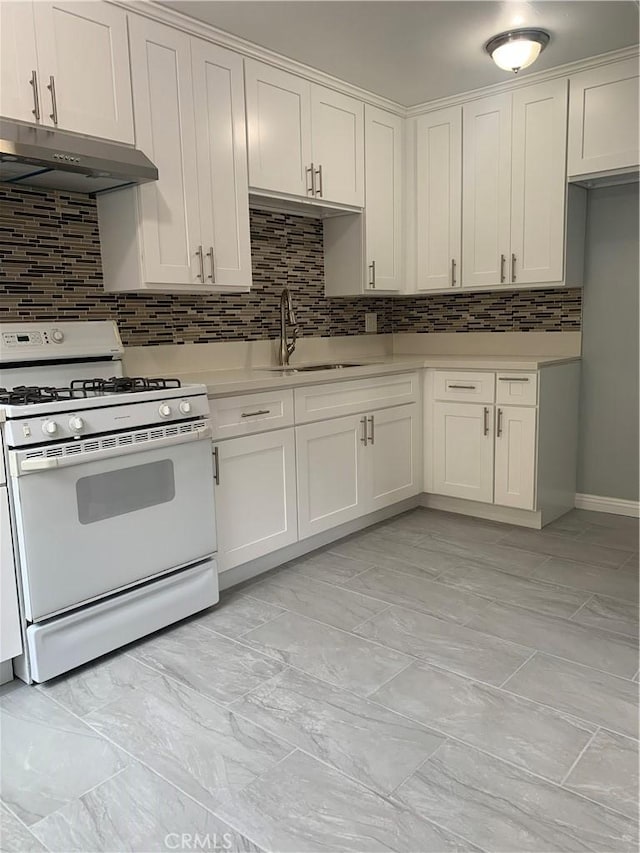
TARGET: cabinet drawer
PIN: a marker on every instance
(250, 413)
(520, 389)
(464, 387)
(319, 402)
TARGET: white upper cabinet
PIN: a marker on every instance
(384, 175)
(221, 164)
(278, 130)
(337, 145)
(438, 196)
(486, 191)
(603, 119)
(538, 185)
(66, 65)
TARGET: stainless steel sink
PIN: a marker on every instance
(308, 368)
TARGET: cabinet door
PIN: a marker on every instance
(337, 146)
(394, 460)
(222, 164)
(256, 496)
(83, 46)
(439, 199)
(463, 451)
(330, 474)
(165, 131)
(538, 183)
(515, 456)
(383, 198)
(19, 62)
(278, 129)
(486, 191)
(603, 119)
(10, 636)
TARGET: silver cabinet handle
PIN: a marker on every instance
(485, 421)
(372, 276)
(513, 267)
(363, 421)
(499, 423)
(200, 255)
(463, 387)
(503, 261)
(216, 459)
(453, 272)
(54, 104)
(513, 378)
(310, 172)
(255, 414)
(372, 425)
(318, 172)
(36, 95)
(212, 274)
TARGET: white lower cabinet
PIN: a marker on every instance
(255, 496)
(515, 456)
(463, 450)
(396, 456)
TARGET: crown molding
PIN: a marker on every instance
(521, 82)
(248, 49)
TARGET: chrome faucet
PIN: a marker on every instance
(287, 318)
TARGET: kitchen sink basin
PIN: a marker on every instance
(308, 368)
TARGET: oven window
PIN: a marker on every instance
(125, 490)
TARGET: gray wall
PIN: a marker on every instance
(608, 448)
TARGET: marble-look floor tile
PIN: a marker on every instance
(622, 583)
(98, 683)
(418, 593)
(538, 542)
(445, 644)
(510, 560)
(48, 756)
(505, 809)
(324, 602)
(590, 646)
(623, 539)
(607, 772)
(362, 739)
(236, 614)
(385, 553)
(461, 527)
(527, 734)
(330, 568)
(211, 664)
(14, 835)
(512, 589)
(139, 812)
(302, 806)
(596, 696)
(610, 614)
(199, 746)
(327, 653)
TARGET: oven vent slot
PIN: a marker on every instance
(90, 445)
(157, 433)
(53, 451)
(108, 442)
(73, 448)
(173, 430)
(141, 436)
(125, 439)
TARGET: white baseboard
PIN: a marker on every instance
(616, 506)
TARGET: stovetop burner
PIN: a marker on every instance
(26, 395)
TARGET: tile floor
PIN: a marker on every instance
(435, 683)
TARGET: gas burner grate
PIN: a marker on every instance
(25, 395)
(122, 385)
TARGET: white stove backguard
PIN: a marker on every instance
(57, 375)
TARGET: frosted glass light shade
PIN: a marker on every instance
(517, 49)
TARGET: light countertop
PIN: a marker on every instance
(222, 383)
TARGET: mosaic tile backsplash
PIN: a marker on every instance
(50, 269)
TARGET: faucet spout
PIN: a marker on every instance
(287, 319)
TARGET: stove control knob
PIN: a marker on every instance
(185, 407)
(76, 424)
(165, 410)
(49, 427)
(57, 336)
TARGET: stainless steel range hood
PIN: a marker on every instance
(55, 159)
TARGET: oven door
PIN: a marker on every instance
(109, 513)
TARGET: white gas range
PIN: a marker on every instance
(110, 485)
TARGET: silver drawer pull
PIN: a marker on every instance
(372, 437)
(463, 387)
(485, 421)
(364, 438)
(255, 414)
(513, 378)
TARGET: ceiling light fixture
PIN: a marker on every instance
(517, 49)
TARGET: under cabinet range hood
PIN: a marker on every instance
(55, 159)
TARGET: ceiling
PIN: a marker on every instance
(416, 51)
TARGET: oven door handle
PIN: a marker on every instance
(48, 463)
